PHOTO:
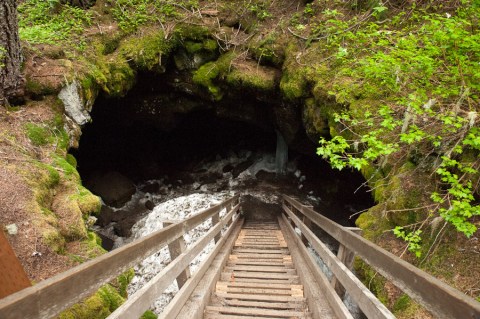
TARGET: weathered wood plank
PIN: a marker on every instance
(261, 297)
(269, 269)
(259, 285)
(49, 297)
(287, 280)
(256, 312)
(259, 304)
(189, 302)
(443, 301)
(260, 291)
(260, 275)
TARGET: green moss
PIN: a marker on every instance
(149, 315)
(251, 75)
(68, 170)
(210, 45)
(98, 306)
(88, 203)
(39, 135)
(193, 47)
(402, 303)
(147, 51)
(112, 73)
(372, 280)
(36, 88)
(53, 239)
(71, 160)
(211, 71)
(293, 83)
(124, 280)
(192, 32)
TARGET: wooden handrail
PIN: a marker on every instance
(364, 298)
(439, 298)
(50, 297)
(141, 300)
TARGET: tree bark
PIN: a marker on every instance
(12, 83)
(85, 4)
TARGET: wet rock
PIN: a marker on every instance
(114, 188)
(123, 228)
(152, 188)
(241, 167)
(257, 209)
(210, 178)
(107, 242)
(105, 216)
(227, 168)
(149, 205)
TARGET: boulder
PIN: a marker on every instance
(114, 188)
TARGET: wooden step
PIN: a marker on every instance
(256, 312)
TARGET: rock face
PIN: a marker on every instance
(73, 102)
(114, 188)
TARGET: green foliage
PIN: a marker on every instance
(260, 9)
(49, 22)
(412, 238)
(459, 196)
(411, 89)
(132, 14)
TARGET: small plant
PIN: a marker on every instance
(309, 10)
(412, 238)
(260, 10)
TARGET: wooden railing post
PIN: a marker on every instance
(216, 220)
(176, 248)
(346, 256)
(308, 224)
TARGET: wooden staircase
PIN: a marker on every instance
(259, 279)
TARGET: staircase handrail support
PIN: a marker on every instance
(50, 297)
(141, 300)
(442, 300)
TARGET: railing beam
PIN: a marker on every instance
(443, 301)
(50, 297)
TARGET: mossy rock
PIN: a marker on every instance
(209, 74)
(112, 73)
(53, 239)
(88, 203)
(250, 75)
(314, 120)
(294, 84)
(148, 52)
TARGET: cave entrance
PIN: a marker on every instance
(160, 133)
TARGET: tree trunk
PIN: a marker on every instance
(85, 4)
(12, 82)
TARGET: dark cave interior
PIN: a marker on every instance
(156, 131)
